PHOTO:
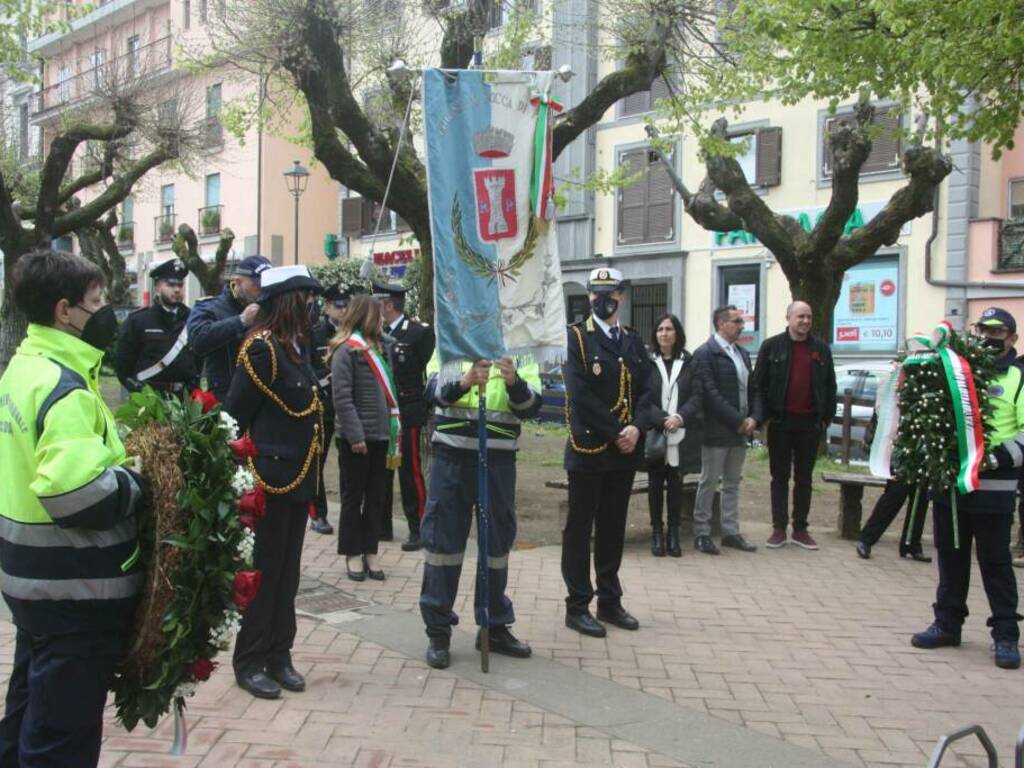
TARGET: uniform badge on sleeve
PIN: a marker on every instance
(597, 368)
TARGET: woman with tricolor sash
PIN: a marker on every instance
(368, 432)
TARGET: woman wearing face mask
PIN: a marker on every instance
(675, 402)
(274, 396)
(68, 506)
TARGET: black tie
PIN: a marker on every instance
(615, 334)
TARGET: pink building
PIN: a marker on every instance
(232, 184)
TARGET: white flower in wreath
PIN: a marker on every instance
(246, 546)
(242, 481)
(185, 690)
(221, 636)
(228, 422)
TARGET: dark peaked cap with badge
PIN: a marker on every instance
(173, 271)
(605, 280)
(389, 291)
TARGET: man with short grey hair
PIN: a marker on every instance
(723, 368)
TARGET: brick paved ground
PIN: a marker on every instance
(809, 647)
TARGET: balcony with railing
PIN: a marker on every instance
(126, 235)
(209, 219)
(213, 134)
(164, 228)
(141, 63)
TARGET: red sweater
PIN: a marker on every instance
(799, 400)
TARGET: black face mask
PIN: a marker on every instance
(101, 327)
(996, 345)
(604, 306)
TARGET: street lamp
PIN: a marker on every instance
(296, 178)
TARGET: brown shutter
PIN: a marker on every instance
(633, 201)
(660, 203)
(352, 216)
(768, 143)
(636, 103)
(885, 146)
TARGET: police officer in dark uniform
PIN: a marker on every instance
(217, 324)
(411, 352)
(606, 374)
(152, 347)
(335, 302)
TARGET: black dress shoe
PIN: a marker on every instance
(736, 541)
(585, 624)
(674, 548)
(320, 525)
(504, 642)
(375, 575)
(657, 541)
(359, 575)
(706, 545)
(916, 554)
(288, 678)
(437, 653)
(259, 684)
(863, 550)
(617, 616)
(413, 543)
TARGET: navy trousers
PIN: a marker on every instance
(449, 513)
(55, 699)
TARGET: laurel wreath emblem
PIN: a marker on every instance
(480, 265)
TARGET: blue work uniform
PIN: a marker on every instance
(215, 333)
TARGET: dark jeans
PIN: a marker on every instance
(888, 506)
(598, 502)
(268, 624)
(320, 502)
(664, 482)
(362, 495)
(990, 532)
(55, 699)
(792, 448)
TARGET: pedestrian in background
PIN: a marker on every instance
(675, 398)
(794, 394)
(368, 432)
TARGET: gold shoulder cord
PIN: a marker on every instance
(622, 408)
(316, 445)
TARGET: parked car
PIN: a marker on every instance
(863, 379)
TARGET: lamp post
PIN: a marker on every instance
(296, 178)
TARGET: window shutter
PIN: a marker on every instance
(768, 144)
(660, 204)
(826, 150)
(659, 89)
(352, 216)
(633, 201)
(635, 103)
(885, 147)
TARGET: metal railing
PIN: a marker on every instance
(209, 219)
(144, 61)
(163, 227)
(970, 730)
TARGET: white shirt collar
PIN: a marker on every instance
(726, 345)
(605, 327)
(398, 322)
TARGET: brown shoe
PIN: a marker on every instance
(803, 539)
(777, 539)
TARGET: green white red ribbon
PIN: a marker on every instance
(542, 184)
(382, 372)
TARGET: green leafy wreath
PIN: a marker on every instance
(478, 264)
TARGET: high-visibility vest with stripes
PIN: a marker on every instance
(68, 535)
(456, 424)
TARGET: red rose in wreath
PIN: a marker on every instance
(243, 448)
(246, 585)
(202, 669)
(252, 506)
(206, 399)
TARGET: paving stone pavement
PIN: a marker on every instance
(811, 648)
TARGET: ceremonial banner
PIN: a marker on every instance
(497, 281)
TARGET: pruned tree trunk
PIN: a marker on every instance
(209, 274)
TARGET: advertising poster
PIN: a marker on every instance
(867, 313)
(740, 285)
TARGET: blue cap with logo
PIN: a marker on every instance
(995, 317)
(252, 266)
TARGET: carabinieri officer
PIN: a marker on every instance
(153, 344)
(606, 373)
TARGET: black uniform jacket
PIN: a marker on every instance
(282, 440)
(413, 347)
(594, 389)
(215, 332)
(147, 335)
(322, 334)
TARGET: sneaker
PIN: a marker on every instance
(803, 539)
(777, 539)
(1007, 654)
(935, 637)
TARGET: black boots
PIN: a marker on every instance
(657, 541)
(674, 548)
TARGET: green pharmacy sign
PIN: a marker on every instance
(808, 218)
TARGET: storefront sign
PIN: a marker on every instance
(866, 316)
(807, 218)
(394, 263)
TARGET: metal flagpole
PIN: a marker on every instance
(483, 594)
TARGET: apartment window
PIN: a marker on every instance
(500, 11)
(761, 160)
(133, 55)
(646, 304)
(23, 148)
(186, 14)
(646, 208)
(128, 210)
(1017, 199)
(886, 145)
(213, 100)
(214, 131)
(167, 199)
(97, 60)
(359, 218)
(64, 82)
(213, 190)
(644, 101)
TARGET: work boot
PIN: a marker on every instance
(935, 637)
(502, 641)
(657, 541)
(412, 543)
(438, 656)
(674, 548)
(1007, 654)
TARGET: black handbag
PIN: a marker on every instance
(655, 446)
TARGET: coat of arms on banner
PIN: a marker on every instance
(496, 216)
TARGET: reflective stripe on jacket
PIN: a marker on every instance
(68, 538)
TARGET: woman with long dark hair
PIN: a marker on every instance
(274, 397)
(368, 432)
(674, 407)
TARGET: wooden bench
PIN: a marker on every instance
(640, 486)
(851, 497)
(846, 423)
